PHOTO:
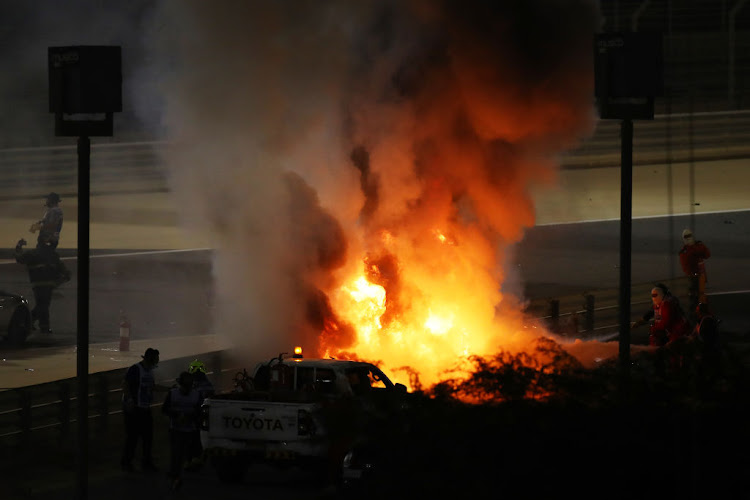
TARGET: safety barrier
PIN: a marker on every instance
(48, 412)
(596, 314)
(139, 167)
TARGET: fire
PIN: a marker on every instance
(430, 312)
(438, 325)
(367, 305)
(442, 238)
(378, 174)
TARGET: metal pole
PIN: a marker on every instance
(626, 205)
(637, 15)
(672, 251)
(589, 313)
(732, 16)
(691, 171)
(554, 312)
(617, 16)
(84, 153)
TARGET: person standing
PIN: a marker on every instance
(137, 395)
(205, 389)
(50, 225)
(46, 272)
(182, 406)
(200, 379)
(692, 259)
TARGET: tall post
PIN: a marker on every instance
(637, 15)
(589, 313)
(627, 77)
(733, 12)
(82, 358)
(626, 223)
(85, 82)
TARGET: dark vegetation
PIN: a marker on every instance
(545, 428)
(676, 427)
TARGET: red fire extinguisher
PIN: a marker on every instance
(124, 333)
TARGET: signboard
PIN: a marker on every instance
(85, 88)
(628, 72)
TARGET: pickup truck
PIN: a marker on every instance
(307, 412)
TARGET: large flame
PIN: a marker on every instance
(428, 306)
(368, 165)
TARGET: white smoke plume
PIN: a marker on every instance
(308, 133)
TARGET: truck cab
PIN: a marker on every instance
(326, 377)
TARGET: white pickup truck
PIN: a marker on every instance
(295, 410)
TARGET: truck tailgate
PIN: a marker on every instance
(250, 421)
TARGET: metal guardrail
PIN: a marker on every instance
(48, 411)
(667, 139)
(595, 314)
(128, 167)
(115, 168)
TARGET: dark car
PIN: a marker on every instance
(15, 318)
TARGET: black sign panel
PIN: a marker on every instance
(628, 72)
(85, 79)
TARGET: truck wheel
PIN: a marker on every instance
(230, 469)
(19, 327)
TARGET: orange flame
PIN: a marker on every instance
(392, 253)
(436, 310)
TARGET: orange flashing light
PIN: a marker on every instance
(297, 352)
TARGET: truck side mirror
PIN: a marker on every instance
(400, 388)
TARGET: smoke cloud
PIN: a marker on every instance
(317, 140)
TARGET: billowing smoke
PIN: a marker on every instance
(395, 139)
